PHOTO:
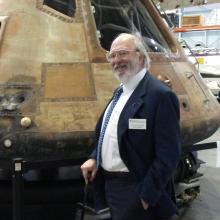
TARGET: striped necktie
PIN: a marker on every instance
(105, 123)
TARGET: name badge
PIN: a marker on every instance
(136, 123)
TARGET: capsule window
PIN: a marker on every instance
(67, 7)
(113, 17)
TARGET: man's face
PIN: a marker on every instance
(124, 58)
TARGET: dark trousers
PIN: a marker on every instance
(122, 198)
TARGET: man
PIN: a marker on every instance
(140, 147)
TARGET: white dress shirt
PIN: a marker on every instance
(111, 160)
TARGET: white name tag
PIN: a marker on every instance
(136, 123)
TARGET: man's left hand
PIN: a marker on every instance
(144, 204)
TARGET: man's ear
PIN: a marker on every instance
(141, 58)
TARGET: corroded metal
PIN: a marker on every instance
(53, 70)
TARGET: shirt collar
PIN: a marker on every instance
(134, 81)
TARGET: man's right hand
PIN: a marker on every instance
(89, 170)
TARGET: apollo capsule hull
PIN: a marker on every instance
(55, 80)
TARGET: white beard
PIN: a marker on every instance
(125, 78)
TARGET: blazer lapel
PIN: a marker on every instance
(132, 106)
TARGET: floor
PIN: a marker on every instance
(207, 205)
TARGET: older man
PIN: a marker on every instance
(137, 139)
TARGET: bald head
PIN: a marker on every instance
(128, 38)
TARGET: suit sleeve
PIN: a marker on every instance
(166, 146)
(93, 155)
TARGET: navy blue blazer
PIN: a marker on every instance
(151, 155)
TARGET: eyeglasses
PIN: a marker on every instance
(119, 53)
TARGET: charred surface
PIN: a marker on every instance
(54, 145)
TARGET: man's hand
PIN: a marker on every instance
(144, 204)
(89, 170)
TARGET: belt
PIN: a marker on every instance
(117, 175)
